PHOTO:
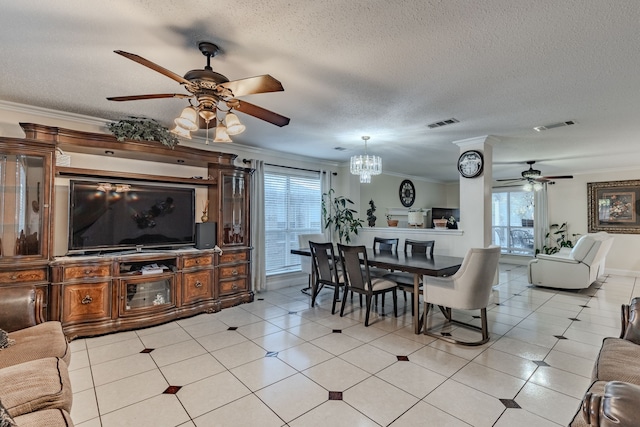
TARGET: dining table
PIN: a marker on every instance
(417, 264)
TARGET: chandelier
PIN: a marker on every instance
(365, 165)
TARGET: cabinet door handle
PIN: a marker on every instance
(14, 277)
(234, 287)
(197, 284)
(197, 261)
(87, 300)
(87, 272)
(234, 272)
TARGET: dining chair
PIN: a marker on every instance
(468, 289)
(404, 279)
(325, 272)
(305, 262)
(358, 279)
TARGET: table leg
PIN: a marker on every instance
(417, 324)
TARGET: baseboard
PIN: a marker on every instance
(620, 272)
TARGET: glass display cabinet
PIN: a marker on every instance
(234, 203)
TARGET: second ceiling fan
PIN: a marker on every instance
(532, 176)
(210, 93)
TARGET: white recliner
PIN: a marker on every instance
(575, 268)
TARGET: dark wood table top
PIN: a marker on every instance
(439, 265)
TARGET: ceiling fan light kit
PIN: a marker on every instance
(534, 179)
(210, 93)
(365, 165)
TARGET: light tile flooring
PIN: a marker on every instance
(276, 361)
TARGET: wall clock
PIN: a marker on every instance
(470, 164)
(407, 193)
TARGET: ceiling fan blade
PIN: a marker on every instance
(153, 96)
(153, 66)
(511, 179)
(251, 85)
(260, 113)
(559, 177)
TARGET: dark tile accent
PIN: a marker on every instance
(585, 306)
(561, 337)
(540, 363)
(497, 303)
(271, 354)
(445, 334)
(147, 350)
(517, 295)
(335, 395)
(403, 358)
(232, 328)
(477, 317)
(293, 312)
(574, 319)
(172, 389)
(260, 299)
(510, 403)
(337, 331)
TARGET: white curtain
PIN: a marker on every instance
(541, 218)
(258, 265)
(325, 185)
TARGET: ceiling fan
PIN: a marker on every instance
(533, 176)
(210, 93)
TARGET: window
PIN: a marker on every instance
(292, 204)
(512, 221)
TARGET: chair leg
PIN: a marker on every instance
(344, 300)
(405, 295)
(366, 318)
(485, 326)
(395, 303)
(336, 294)
(412, 301)
(382, 296)
(425, 313)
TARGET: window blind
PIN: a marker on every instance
(293, 201)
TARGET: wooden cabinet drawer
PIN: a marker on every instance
(196, 286)
(17, 276)
(233, 286)
(86, 302)
(229, 257)
(86, 271)
(199, 261)
(233, 271)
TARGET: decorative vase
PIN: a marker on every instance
(204, 217)
(440, 224)
(372, 223)
(392, 222)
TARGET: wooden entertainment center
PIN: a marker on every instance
(93, 294)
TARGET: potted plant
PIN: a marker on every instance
(559, 240)
(371, 218)
(336, 213)
(391, 222)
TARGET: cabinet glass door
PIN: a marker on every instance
(21, 204)
(234, 197)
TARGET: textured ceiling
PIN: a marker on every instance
(362, 67)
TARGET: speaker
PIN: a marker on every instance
(205, 235)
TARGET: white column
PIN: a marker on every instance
(475, 196)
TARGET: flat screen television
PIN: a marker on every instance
(105, 216)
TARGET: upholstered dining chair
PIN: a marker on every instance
(305, 261)
(468, 289)
(325, 271)
(358, 279)
(405, 280)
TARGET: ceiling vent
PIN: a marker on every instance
(554, 125)
(443, 123)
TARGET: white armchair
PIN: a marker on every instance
(575, 268)
(468, 289)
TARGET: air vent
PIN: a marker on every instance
(339, 148)
(443, 123)
(554, 125)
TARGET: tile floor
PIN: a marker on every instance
(279, 362)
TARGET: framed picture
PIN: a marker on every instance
(614, 206)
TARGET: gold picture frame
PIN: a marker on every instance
(614, 206)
